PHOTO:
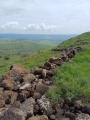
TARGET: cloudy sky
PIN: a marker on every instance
(45, 16)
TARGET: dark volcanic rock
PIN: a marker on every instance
(28, 107)
(7, 84)
(41, 88)
(13, 114)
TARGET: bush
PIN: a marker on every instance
(6, 57)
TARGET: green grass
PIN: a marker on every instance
(73, 78)
(27, 60)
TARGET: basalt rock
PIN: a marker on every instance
(57, 61)
(13, 114)
(45, 106)
(20, 69)
(70, 115)
(49, 65)
(7, 84)
(28, 107)
(28, 78)
(64, 57)
(78, 105)
(86, 109)
(82, 116)
(41, 88)
(38, 71)
(10, 97)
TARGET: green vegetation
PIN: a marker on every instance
(27, 60)
(73, 78)
(11, 46)
(24, 53)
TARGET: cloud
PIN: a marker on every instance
(67, 15)
(10, 25)
(15, 26)
(40, 27)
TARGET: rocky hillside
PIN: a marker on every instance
(23, 92)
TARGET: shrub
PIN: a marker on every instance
(6, 57)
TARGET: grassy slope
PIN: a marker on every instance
(73, 78)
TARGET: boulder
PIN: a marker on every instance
(68, 101)
(70, 115)
(57, 61)
(21, 97)
(10, 97)
(20, 69)
(16, 87)
(52, 117)
(49, 65)
(7, 84)
(25, 86)
(50, 73)
(26, 93)
(78, 105)
(82, 116)
(52, 59)
(41, 88)
(64, 57)
(36, 95)
(28, 107)
(44, 73)
(13, 114)
(70, 55)
(16, 104)
(13, 75)
(86, 109)
(38, 71)
(28, 78)
(45, 106)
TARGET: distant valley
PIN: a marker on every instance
(50, 37)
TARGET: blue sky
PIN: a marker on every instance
(45, 16)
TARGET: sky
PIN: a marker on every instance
(45, 16)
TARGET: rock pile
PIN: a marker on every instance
(22, 93)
